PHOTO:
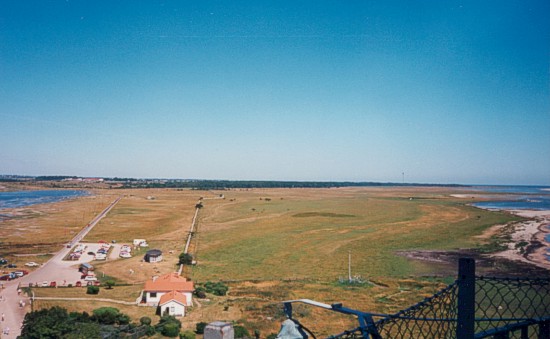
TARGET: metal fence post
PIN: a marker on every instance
(544, 329)
(466, 298)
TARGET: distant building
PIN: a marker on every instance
(153, 256)
(170, 293)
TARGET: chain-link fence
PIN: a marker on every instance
(434, 317)
(471, 307)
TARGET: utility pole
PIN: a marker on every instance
(403, 175)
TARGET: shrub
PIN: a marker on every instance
(272, 336)
(167, 324)
(170, 329)
(187, 335)
(106, 315)
(145, 321)
(200, 292)
(216, 288)
(240, 332)
(123, 319)
(92, 290)
(150, 330)
(200, 327)
(185, 259)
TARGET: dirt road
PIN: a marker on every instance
(55, 269)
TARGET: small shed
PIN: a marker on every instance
(153, 256)
(219, 330)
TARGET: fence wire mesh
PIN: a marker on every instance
(501, 302)
(434, 317)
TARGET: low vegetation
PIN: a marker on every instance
(253, 252)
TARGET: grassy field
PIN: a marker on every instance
(269, 245)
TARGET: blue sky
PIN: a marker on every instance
(442, 91)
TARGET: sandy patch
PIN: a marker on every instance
(533, 233)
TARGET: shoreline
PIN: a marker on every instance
(531, 232)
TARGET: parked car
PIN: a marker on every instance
(5, 277)
(3, 261)
(45, 283)
(32, 264)
(21, 273)
(90, 278)
(11, 266)
(125, 255)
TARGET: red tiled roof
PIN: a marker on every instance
(169, 282)
(173, 295)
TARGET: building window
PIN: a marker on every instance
(172, 310)
(153, 294)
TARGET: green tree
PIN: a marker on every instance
(123, 319)
(106, 315)
(110, 283)
(84, 331)
(47, 323)
(185, 259)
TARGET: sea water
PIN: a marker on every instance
(516, 198)
(28, 198)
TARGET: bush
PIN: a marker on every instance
(145, 321)
(123, 319)
(150, 330)
(168, 326)
(106, 315)
(272, 336)
(240, 332)
(185, 259)
(200, 292)
(187, 335)
(92, 290)
(170, 329)
(200, 327)
(216, 288)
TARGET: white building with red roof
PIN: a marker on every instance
(170, 292)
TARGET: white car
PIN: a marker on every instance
(32, 264)
(45, 284)
(100, 257)
(125, 255)
(90, 278)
